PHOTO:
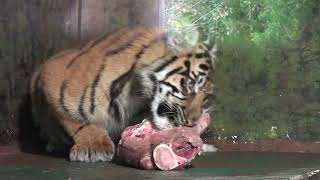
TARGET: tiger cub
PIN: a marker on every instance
(83, 98)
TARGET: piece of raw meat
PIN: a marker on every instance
(146, 147)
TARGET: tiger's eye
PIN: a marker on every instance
(190, 81)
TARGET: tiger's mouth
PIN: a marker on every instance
(165, 110)
(173, 113)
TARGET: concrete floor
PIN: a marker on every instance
(221, 165)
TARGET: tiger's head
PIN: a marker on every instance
(183, 83)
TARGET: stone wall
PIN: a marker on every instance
(33, 30)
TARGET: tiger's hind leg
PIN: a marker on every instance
(91, 142)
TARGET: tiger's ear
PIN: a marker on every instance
(209, 50)
(183, 41)
(213, 51)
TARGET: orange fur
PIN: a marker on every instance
(73, 91)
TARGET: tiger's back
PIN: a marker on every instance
(72, 79)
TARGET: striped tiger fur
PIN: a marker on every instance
(83, 98)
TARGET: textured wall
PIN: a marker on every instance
(33, 30)
(99, 16)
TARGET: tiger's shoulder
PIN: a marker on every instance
(67, 75)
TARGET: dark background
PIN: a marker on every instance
(33, 30)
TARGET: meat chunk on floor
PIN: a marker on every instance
(146, 147)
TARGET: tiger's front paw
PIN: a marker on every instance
(101, 149)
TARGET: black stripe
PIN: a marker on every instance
(169, 93)
(118, 84)
(124, 47)
(142, 51)
(188, 66)
(183, 83)
(201, 47)
(97, 41)
(59, 55)
(199, 55)
(102, 38)
(118, 50)
(154, 82)
(110, 35)
(176, 70)
(200, 81)
(116, 89)
(80, 107)
(202, 55)
(195, 76)
(174, 89)
(204, 67)
(114, 110)
(79, 129)
(184, 73)
(73, 60)
(109, 53)
(93, 88)
(62, 98)
(161, 67)
(201, 73)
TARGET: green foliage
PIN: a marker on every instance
(268, 74)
